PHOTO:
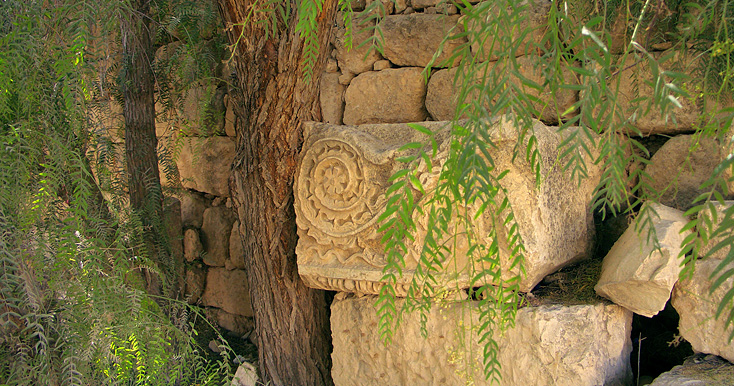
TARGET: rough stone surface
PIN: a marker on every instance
(195, 282)
(246, 375)
(204, 164)
(332, 98)
(672, 166)
(215, 233)
(550, 345)
(699, 370)
(708, 217)
(441, 95)
(193, 206)
(441, 98)
(227, 290)
(697, 310)
(412, 40)
(637, 276)
(382, 64)
(192, 245)
(421, 4)
(236, 257)
(392, 95)
(238, 324)
(400, 6)
(340, 193)
(633, 84)
(356, 60)
(534, 18)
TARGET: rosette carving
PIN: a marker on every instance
(337, 198)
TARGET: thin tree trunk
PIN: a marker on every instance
(141, 144)
(292, 320)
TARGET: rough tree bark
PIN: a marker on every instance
(272, 99)
(141, 143)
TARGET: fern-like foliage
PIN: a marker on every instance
(72, 307)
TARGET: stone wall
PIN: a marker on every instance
(366, 100)
(195, 158)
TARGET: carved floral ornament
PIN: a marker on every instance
(335, 196)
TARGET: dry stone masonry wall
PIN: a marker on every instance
(366, 100)
(211, 248)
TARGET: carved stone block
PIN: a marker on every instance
(582, 345)
(340, 193)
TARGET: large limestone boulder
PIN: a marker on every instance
(532, 16)
(331, 97)
(699, 370)
(715, 219)
(638, 276)
(412, 40)
(195, 282)
(246, 375)
(392, 95)
(193, 206)
(358, 58)
(193, 249)
(633, 78)
(227, 290)
(204, 164)
(215, 235)
(340, 189)
(697, 309)
(678, 173)
(443, 89)
(550, 345)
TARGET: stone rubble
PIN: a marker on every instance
(638, 276)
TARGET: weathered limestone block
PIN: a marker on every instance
(392, 95)
(671, 167)
(340, 189)
(246, 375)
(356, 60)
(332, 98)
(236, 256)
(442, 94)
(550, 345)
(215, 235)
(697, 309)
(699, 370)
(411, 40)
(633, 80)
(533, 17)
(227, 290)
(637, 276)
(192, 245)
(204, 164)
(193, 206)
(195, 282)
(708, 217)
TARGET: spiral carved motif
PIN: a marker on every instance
(335, 195)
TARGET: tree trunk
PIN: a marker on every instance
(141, 144)
(292, 320)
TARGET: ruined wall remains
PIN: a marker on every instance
(366, 100)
